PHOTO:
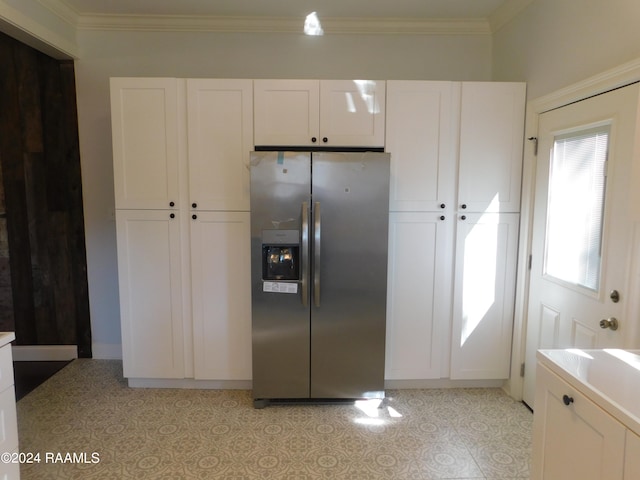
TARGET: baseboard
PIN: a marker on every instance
(441, 383)
(190, 383)
(106, 351)
(39, 353)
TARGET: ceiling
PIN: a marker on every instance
(415, 9)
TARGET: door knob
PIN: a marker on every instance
(611, 323)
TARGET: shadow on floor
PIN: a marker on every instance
(28, 375)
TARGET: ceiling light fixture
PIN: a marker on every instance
(312, 25)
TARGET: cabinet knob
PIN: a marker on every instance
(463, 217)
(325, 139)
(173, 215)
(314, 139)
(194, 205)
(463, 206)
(172, 204)
(194, 216)
(567, 400)
(442, 217)
(442, 205)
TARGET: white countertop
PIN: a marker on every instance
(609, 377)
(6, 337)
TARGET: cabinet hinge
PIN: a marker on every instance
(522, 369)
(530, 261)
(535, 144)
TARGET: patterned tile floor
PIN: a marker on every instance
(87, 424)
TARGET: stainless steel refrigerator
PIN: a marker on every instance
(319, 230)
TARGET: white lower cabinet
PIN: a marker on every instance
(182, 320)
(221, 295)
(151, 307)
(632, 457)
(575, 439)
(8, 416)
(419, 295)
(484, 295)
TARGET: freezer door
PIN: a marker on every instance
(280, 188)
(349, 266)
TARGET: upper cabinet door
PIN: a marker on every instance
(421, 135)
(287, 112)
(144, 114)
(491, 141)
(220, 134)
(324, 113)
(352, 113)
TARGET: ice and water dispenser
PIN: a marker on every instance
(281, 258)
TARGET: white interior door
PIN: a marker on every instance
(581, 226)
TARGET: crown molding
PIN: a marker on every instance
(62, 10)
(370, 26)
(507, 12)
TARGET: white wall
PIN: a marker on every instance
(555, 43)
(188, 54)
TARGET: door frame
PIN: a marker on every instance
(620, 76)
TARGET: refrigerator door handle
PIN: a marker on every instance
(316, 253)
(304, 263)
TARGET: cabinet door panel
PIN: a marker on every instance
(632, 457)
(484, 286)
(419, 296)
(220, 132)
(221, 295)
(491, 140)
(420, 138)
(579, 441)
(352, 113)
(149, 266)
(286, 112)
(144, 115)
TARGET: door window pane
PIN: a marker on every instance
(577, 181)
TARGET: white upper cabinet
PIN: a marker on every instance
(144, 113)
(220, 139)
(491, 142)
(421, 136)
(330, 113)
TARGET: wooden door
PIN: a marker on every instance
(43, 261)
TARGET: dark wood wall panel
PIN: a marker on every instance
(42, 192)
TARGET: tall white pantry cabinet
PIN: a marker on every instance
(181, 152)
(454, 214)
